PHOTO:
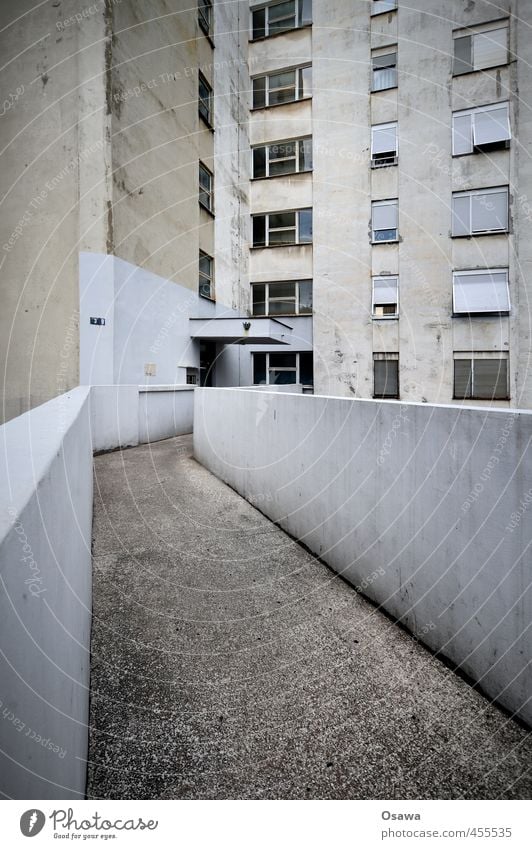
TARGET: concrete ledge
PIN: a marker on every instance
(421, 507)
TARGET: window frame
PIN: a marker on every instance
(297, 157)
(471, 193)
(489, 107)
(296, 69)
(205, 21)
(201, 101)
(268, 298)
(476, 356)
(265, 7)
(478, 271)
(391, 50)
(203, 276)
(379, 357)
(268, 229)
(386, 202)
(209, 207)
(471, 33)
(384, 163)
(385, 316)
(270, 368)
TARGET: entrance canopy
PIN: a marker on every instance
(243, 331)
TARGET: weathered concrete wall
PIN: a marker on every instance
(165, 411)
(424, 508)
(53, 186)
(45, 603)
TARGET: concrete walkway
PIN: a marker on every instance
(228, 663)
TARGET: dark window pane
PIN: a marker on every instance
(282, 290)
(259, 230)
(386, 378)
(283, 166)
(305, 226)
(305, 82)
(305, 12)
(282, 237)
(282, 219)
(282, 150)
(305, 296)
(306, 370)
(259, 300)
(259, 368)
(305, 155)
(282, 377)
(384, 235)
(259, 162)
(285, 78)
(205, 265)
(259, 92)
(282, 361)
(282, 307)
(259, 23)
(462, 378)
(462, 55)
(282, 95)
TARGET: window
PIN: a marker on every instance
(377, 7)
(481, 291)
(383, 145)
(478, 50)
(284, 157)
(282, 228)
(205, 16)
(283, 297)
(481, 211)
(384, 70)
(384, 216)
(205, 100)
(206, 192)
(192, 376)
(386, 375)
(282, 87)
(206, 275)
(486, 128)
(481, 376)
(281, 17)
(283, 369)
(385, 297)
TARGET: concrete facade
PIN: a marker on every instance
(342, 259)
(104, 113)
(422, 508)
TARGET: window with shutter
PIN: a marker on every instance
(385, 375)
(481, 291)
(384, 220)
(481, 211)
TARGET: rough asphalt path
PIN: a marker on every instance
(228, 663)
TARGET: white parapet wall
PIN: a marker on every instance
(425, 509)
(127, 415)
(45, 573)
(45, 599)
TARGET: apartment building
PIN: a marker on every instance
(390, 195)
(336, 195)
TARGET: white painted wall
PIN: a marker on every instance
(164, 412)
(431, 495)
(45, 603)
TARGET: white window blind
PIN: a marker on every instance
(384, 215)
(490, 48)
(385, 290)
(384, 138)
(491, 125)
(480, 212)
(481, 291)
